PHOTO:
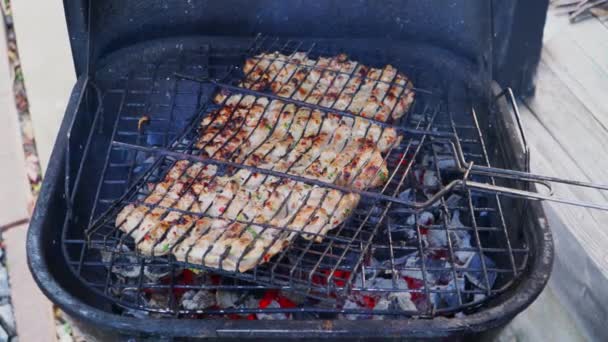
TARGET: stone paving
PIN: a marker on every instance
(8, 329)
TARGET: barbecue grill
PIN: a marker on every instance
(451, 244)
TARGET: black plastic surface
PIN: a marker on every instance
(118, 23)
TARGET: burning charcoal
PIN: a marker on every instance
(338, 278)
(403, 301)
(196, 300)
(430, 179)
(449, 295)
(441, 159)
(390, 283)
(477, 278)
(437, 238)
(402, 234)
(272, 316)
(156, 272)
(123, 263)
(273, 299)
(412, 262)
(431, 183)
(424, 219)
(158, 300)
(350, 305)
(250, 302)
(401, 261)
(440, 273)
(446, 162)
(369, 276)
(226, 299)
(382, 304)
(460, 239)
(415, 279)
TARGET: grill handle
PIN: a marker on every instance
(508, 93)
(495, 189)
(526, 176)
(532, 178)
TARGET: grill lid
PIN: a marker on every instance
(464, 30)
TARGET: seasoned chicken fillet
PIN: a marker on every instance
(236, 218)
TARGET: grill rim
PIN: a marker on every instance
(499, 312)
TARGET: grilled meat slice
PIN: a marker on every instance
(173, 219)
(245, 214)
(334, 82)
(137, 220)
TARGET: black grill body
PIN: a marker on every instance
(116, 43)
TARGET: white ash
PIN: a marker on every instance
(396, 283)
(430, 179)
(415, 262)
(458, 238)
(436, 238)
(196, 300)
(446, 162)
(227, 299)
(351, 305)
(382, 304)
(442, 159)
(478, 278)
(272, 316)
(127, 264)
(156, 272)
(250, 302)
(403, 301)
(424, 219)
(158, 300)
(463, 238)
(449, 295)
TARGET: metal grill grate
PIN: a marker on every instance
(442, 246)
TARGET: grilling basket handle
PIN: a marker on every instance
(522, 176)
(465, 167)
(545, 181)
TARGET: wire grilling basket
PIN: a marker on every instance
(433, 239)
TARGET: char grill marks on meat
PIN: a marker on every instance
(337, 82)
(239, 219)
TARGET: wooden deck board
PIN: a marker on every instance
(577, 129)
(578, 55)
(567, 126)
(549, 158)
